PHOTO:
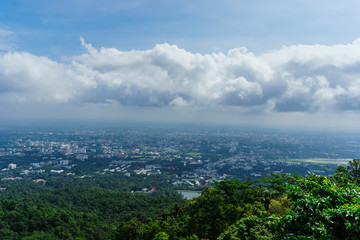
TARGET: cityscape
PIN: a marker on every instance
(192, 156)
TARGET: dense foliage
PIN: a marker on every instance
(219, 210)
(109, 207)
(277, 207)
(324, 207)
(79, 208)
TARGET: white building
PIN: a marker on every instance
(12, 166)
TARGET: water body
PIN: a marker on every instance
(189, 194)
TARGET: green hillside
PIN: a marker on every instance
(280, 206)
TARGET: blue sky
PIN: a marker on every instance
(263, 62)
(53, 28)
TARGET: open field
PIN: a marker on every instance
(340, 161)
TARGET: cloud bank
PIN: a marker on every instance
(301, 78)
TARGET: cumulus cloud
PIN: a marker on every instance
(167, 75)
(301, 78)
(25, 78)
(318, 77)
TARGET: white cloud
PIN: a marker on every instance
(305, 78)
(25, 78)
(170, 73)
(318, 77)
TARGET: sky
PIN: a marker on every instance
(269, 63)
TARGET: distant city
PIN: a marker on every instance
(192, 156)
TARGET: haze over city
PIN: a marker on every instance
(283, 63)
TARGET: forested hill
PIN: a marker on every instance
(276, 207)
(111, 207)
(66, 207)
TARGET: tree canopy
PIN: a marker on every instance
(279, 206)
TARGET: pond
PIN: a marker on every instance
(189, 194)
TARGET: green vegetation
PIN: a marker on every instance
(79, 208)
(112, 207)
(277, 207)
